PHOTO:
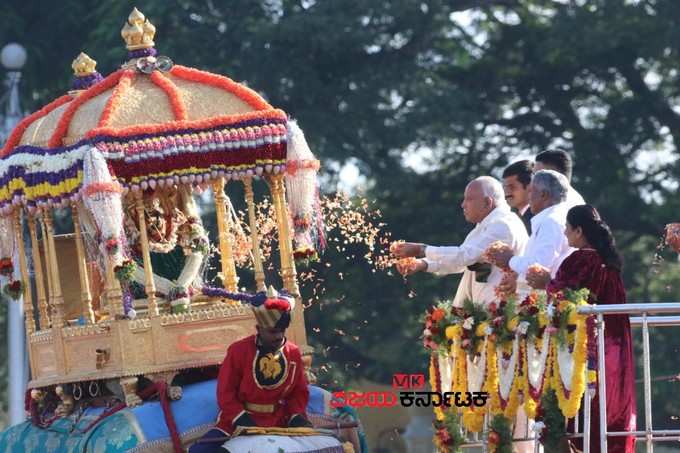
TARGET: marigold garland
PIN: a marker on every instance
(293, 166)
(171, 90)
(461, 324)
(491, 385)
(530, 405)
(124, 84)
(18, 132)
(473, 419)
(173, 126)
(194, 75)
(518, 385)
(110, 187)
(435, 378)
(570, 405)
(65, 120)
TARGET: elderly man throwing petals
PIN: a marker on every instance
(547, 246)
(483, 205)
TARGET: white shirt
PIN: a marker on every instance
(573, 198)
(500, 225)
(548, 245)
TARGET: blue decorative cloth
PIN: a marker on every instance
(120, 432)
(131, 429)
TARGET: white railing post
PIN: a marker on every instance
(602, 382)
(647, 383)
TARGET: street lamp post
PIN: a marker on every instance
(13, 57)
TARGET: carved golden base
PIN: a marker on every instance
(153, 347)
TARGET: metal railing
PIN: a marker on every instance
(672, 319)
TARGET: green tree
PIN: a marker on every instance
(462, 87)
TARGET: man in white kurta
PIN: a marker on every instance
(484, 204)
(561, 162)
(547, 245)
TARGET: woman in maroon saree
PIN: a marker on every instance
(596, 265)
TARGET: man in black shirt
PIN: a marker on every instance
(516, 180)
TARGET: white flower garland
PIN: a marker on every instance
(565, 359)
(476, 370)
(106, 207)
(506, 368)
(7, 236)
(536, 361)
(445, 372)
(34, 163)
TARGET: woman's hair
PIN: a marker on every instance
(597, 233)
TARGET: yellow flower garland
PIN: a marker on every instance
(530, 404)
(438, 410)
(510, 410)
(473, 418)
(570, 406)
(491, 382)
(460, 368)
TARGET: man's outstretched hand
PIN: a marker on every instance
(407, 250)
(538, 276)
(410, 266)
(499, 254)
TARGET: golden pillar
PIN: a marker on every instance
(85, 296)
(288, 273)
(149, 286)
(48, 272)
(26, 280)
(230, 279)
(57, 301)
(43, 310)
(255, 237)
(114, 293)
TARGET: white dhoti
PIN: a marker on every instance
(524, 427)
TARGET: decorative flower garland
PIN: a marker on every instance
(194, 75)
(577, 380)
(180, 299)
(171, 90)
(500, 435)
(125, 271)
(510, 380)
(65, 120)
(673, 236)
(550, 422)
(435, 384)
(6, 267)
(293, 166)
(246, 148)
(123, 84)
(507, 369)
(18, 132)
(14, 289)
(448, 437)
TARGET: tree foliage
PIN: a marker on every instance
(461, 88)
